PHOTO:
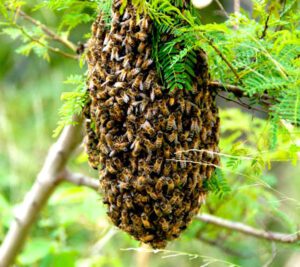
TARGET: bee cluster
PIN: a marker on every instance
(137, 132)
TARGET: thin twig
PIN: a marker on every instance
(249, 230)
(238, 92)
(224, 59)
(222, 8)
(50, 48)
(242, 104)
(48, 31)
(264, 33)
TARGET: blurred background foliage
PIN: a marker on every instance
(73, 229)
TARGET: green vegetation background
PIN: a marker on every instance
(73, 230)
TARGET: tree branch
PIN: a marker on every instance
(248, 230)
(231, 225)
(48, 31)
(53, 49)
(48, 178)
(80, 180)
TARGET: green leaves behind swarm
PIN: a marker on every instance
(217, 184)
(73, 102)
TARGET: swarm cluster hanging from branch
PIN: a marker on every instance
(135, 127)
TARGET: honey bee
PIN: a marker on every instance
(178, 211)
(142, 47)
(116, 17)
(173, 137)
(184, 178)
(108, 48)
(188, 107)
(126, 15)
(127, 228)
(122, 74)
(109, 125)
(159, 139)
(133, 164)
(146, 238)
(166, 208)
(139, 198)
(124, 216)
(174, 166)
(109, 140)
(143, 105)
(147, 64)
(142, 36)
(123, 186)
(170, 185)
(120, 85)
(144, 24)
(187, 206)
(131, 118)
(203, 134)
(157, 210)
(103, 56)
(128, 43)
(139, 61)
(102, 94)
(161, 122)
(151, 193)
(174, 199)
(181, 102)
(145, 221)
(129, 134)
(149, 145)
(121, 146)
(210, 116)
(167, 152)
(164, 224)
(135, 219)
(126, 61)
(157, 165)
(117, 37)
(104, 149)
(137, 147)
(202, 198)
(196, 125)
(132, 25)
(138, 82)
(155, 93)
(140, 183)
(147, 53)
(148, 128)
(149, 80)
(119, 201)
(128, 202)
(195, 88)
(147, 209)
(171, 101)
(192, 183)
(167, 169)
(110, 168)
(115, 54)
(109, 102)
(133, 73)
(159, 184)
(164, 108)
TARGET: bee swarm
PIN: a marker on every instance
(136, 131)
